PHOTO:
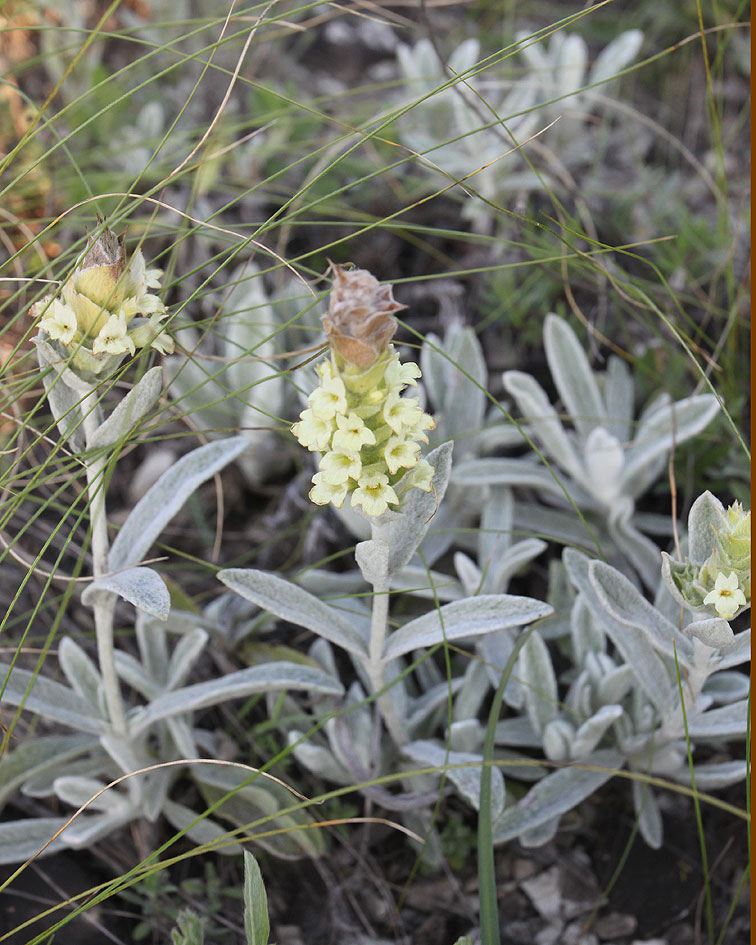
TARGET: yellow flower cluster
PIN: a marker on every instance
(100, 300)
(723, 582)
(368, 433)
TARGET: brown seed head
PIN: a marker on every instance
(359, 323)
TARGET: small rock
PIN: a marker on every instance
(544, 892)
(649, 941)
(551, 935)
(615, 925)
(575, 935)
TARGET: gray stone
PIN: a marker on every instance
(615, 925)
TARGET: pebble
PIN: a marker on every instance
(615, 925)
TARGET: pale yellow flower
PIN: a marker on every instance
(352, 434)
(59, 322)
(313, 432)
(113, 338)
(727, 597)
(151, 335)
(402, 414)
(324, 370)
(340, 465)
(399, 375)
(401, 453)
(329, 399)
(421, 476)
(323, 492)
(374, 493)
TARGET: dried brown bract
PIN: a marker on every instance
(359, 323)
(106, 250)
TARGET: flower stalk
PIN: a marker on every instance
(368, 435)
(104, 311)
(104, 606)
(376, 667)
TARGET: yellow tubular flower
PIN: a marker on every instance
(112, 338)
(402, 414)
(727, 597)
(313, 432)
(400, 453)
(59, 322)
(374, 493)
(338, 466)
(352, 434)
(329, 399)
(323, 492)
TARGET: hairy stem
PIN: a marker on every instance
(376, 667)
(104, 607)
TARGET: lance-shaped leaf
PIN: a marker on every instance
(627, 605)
(202, 830)
(498, 576)
(256, 921)
(290, 602)
(619, 394)
(543, 423)
(464, 395)
(592, 730)
(129, 411)
(265, 678)
(648, 813)
(704, 521)
(630, 641)
(641, 552)
(539, 686)
(709, 777)
(727, 686)
(465, 780)
(48, 698)
(729, 721)
(36, 756)
(463, 619)
(572, 375)
(65, 405)
(22, 839)
(81, 673)
(739, 652)
(318, 759)
(615, 56)
(142, 587)
(154, 510)
(672, 424)
(185, 655)
(516, 472)
(555, 794)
